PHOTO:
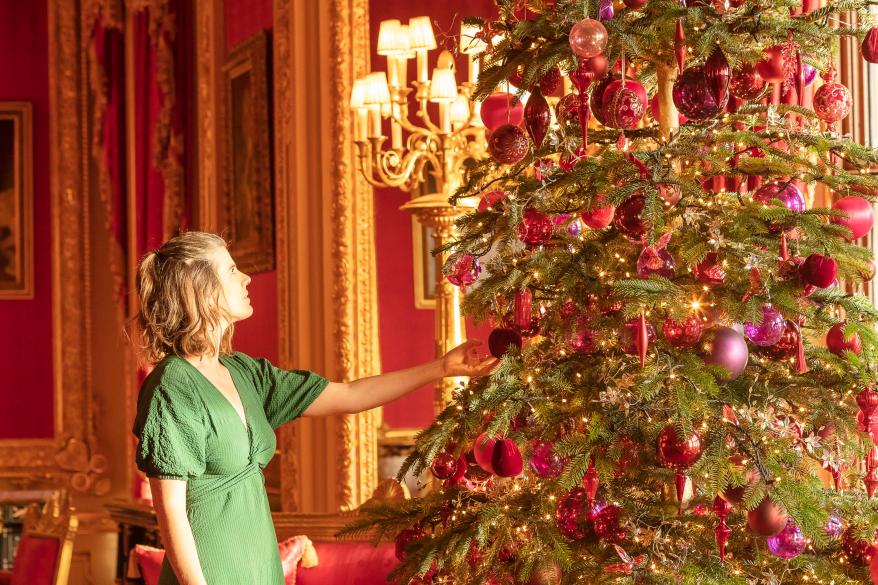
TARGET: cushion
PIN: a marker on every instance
(149, 561)
(350, 563)
(5, 577)
(35, 561)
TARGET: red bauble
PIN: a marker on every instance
(858, 551)
(501, 108)
(675, 451)
(735, 495)
(685, 333)
(546, 574)
(588, 71)
(598, 216)
(508, 144)
(860, 215)
(535, 228)
(623, 107)
(506, 459)
(635, 4)
(628, 219)
(710, 270)
(607, 524)
(629, 335)
(870, 45)
(746, 83)
(537, 117)
(832, 100)
(818, 270)
(444, 465)
(550, 83)
(500, 339)
(786, 347)
(838, 344)
(567, 110)
(573, 513)
(717, 72)
(766, 519)
(694, 97)
(669, 193)
(483, 451)
(773, 67)
(406, 538)
(490, 200)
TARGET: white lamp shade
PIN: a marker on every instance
(391, 39)
(421, 33)
(460, 110)
(407, 35)
(358, 93)
(443, 87)
(376, 91)
(470, 44)
(446, 61)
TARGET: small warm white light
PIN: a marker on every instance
(391, 40)
(376, 91)
(421, 33)
(470, 43)
(443, 87)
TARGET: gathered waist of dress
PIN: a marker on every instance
(208, 486)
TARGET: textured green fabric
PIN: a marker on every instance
(188, 430)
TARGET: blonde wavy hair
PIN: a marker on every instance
(180, 299)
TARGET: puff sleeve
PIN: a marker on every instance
(285, 394)
(170, 428)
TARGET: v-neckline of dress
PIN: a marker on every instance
(245, 422)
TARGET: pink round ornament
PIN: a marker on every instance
(788, 543)
(501, 108)
(461, 269)
(483, 451)
(508, 144)
(544, 461)
(860, 215)
(769, 330)
(838, 343)
(787, 192)
(767, 519)
(832, 100)
(682, 334)
(599, 215)
(727, 349)
(535, 228)
(623, 106)
(785, 347)
(670, 194)
(694, 97)
(588, 38)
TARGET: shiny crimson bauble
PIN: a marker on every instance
(537, 117)
(483, 451)
(535, 228)
(607, 524)
(860, 215)
(628, 219)
(490, 200)
(746, 83)
(685, 333)
(506, 459)
(728, 349)
(766, 519)
(870, 45)
(718, 73)
(444, 465)
(500, 339)
(598, 217)
(773, 67)
(573, 513)
(588, 38)
(628, 337)
(406, 538)
(710, 270)
(652, 261)
(818, 270)
(837, 343)
(769, 330)
(567, 110)
(461, 269)
(675, 451)
(693, 95)
(786, 346)
(832, 102)
(858, 551)
(544, 461)
(508, 144)
(501, 108)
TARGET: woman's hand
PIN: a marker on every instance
(464, 360)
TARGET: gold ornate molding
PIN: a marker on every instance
(208, 42)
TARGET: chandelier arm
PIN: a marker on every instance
(423, 115)
(396, 174)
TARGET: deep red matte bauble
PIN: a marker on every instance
(598, 216)
(444, 465)
(500, 339)
(746, 83)
(684, 333)
(406, 538)
(501, 108)
(870, 45)
(535, 228)
(694, 97)
(837, 343)
(675, 451)
(483, 451)
(858, 551)
(773, 67)
(710, 270)
(537, 117)
(766, 519)
(860, 215)
(818, 270)
(506, 459)
(508, 144)
(573, 514)
(628, 218)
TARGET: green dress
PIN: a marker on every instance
(188, 430)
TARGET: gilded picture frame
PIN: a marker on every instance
(248, 199)
(16, 201)
(424, 266)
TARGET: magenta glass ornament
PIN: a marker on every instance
(563, 223)
(501, 108)
(588, 38)
(628, 338)
(508, 144)
(728, 349)
(544, 461)
(785, 347)
(768, 331)
(573, 514)
(694, 97)
(788, 543)
(834, 526)
(788, 193)
(461, 269)
(710, 270)
(537, 117)
(605, 10)
(809, 72)
(652, 261)
(535, 228)
(628, 219)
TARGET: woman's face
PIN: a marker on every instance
(234, 285)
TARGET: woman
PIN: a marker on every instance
(206, 416)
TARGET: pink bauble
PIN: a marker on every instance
(624, 109)
(483, 451)
(572, 514)
(786, 346)
(832, 102)
(746, 83)
(870, 45)
(685, 333)
(628, 219)
(860, 215)
(544, 461)
(694, 97)
(788, 193)
(508, 144)
(788, 543)
(837, 343)
(610, 88)
(535, 228)
(670, 194)
(588, 38)
(461, 269)
(501, 108)
(506, 458)
(727, 349)
(769, 330)
(598, 216)
(773, 67)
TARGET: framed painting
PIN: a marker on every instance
(424, 265)
(16, 201)
(248, 206)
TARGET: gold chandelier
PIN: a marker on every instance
(437, 147)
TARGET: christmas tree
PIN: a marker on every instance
(686, 386)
